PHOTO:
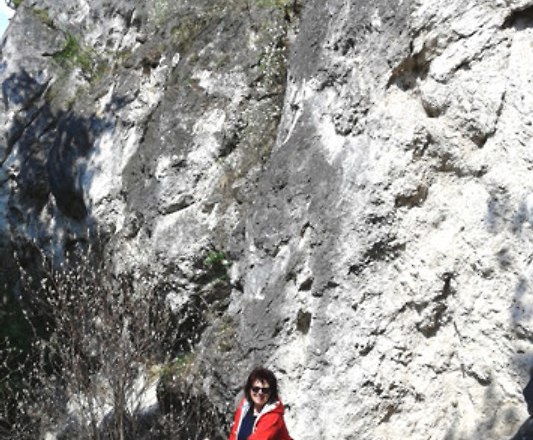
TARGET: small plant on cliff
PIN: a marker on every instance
(179, 367)
(289, 7)
(272, 3)
(14, 4)
(73, 54)
(216, 265)
(44, 16)
(215, 258)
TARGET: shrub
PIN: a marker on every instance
(98, 336)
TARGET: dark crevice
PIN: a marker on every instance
(480, 139)
(520, 19)
(483, 140)
(306, 285)
(415, 198)
(433, 312)
(406, 74)
(431, 110)
(303, 321)
(439, 306)
(382, 250)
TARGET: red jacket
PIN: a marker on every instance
(269, 424)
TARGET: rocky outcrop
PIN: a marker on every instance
(361, 168)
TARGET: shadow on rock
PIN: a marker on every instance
(526, 430)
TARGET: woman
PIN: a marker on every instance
(260, 414)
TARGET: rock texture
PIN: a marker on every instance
(363, 167)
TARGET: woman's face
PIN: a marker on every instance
(260, 393)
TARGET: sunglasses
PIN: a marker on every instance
(263, 390)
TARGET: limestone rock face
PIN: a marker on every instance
(363, 167)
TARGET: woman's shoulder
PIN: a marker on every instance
(275, 407)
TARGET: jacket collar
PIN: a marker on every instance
(269, 407)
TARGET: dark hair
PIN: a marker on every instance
(263, 375)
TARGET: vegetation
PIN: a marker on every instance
(74, 54)
(272, 3)
(291, 8)
(15, 342)
(215, 258)
(216, 270)
(92, 361)
(226, 334)
(186, 31)
(179, 367)
(44, 16)
(14, 4)
(14, 326)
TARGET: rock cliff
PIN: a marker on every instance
(361, 168)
